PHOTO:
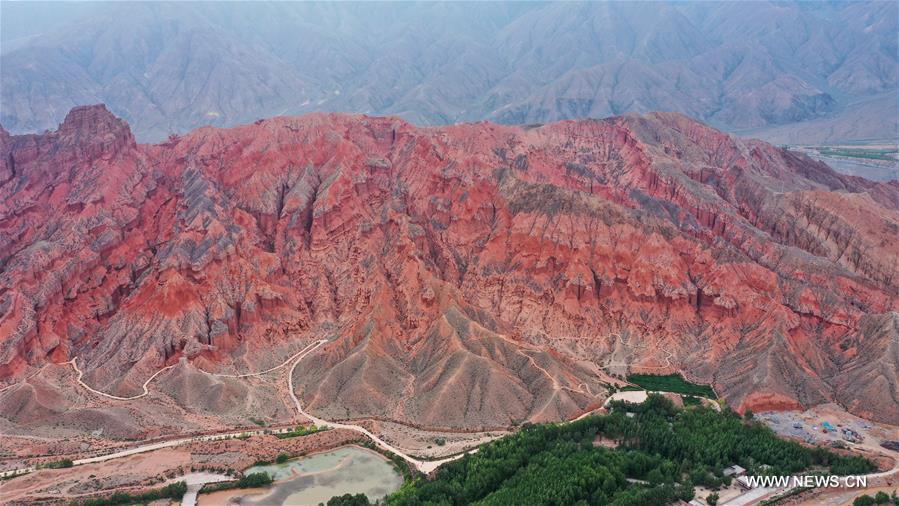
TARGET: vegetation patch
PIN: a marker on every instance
(301, 430)
(172, 491)
(671, 383)
(253, 480)
(880, 498)
(871, 154)
(669, 450)
(349, 500)
(690, 400)
(59, 464)
(783, 496)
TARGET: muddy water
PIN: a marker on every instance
(315, 479)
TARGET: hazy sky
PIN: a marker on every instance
(19, 20)
(172, 66)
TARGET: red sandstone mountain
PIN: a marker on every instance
(471, 275)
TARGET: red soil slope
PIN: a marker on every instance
(472, 275)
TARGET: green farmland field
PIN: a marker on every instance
(671, 383)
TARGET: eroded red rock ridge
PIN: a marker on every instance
(472, 275)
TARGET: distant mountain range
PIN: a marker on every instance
(774, 70)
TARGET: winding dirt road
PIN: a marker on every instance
(116, 397)
(146, 391)
(260, 373)
(421, 465)
(424, 466)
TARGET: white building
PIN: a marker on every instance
(734, 470)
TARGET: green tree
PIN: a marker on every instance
(254, 480)
(59, 464)
(712, 499)
(349, 500)
(670, 448)
(864, 500)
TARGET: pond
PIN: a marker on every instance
(315, 479)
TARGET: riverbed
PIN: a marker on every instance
(315, 479)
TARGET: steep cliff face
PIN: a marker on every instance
(470, 275)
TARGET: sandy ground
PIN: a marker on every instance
(130, 473)
(807, 426)
(423, 443)
(633, 396)
(229, 496)
(811, 424)
(848, 501)
(836, 497)
(16, 451)
(724, 494)
(195, 483)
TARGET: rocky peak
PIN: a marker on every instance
(4, 137)
(94, 128)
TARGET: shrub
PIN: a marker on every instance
(349, 500)
(254, 480)
(249, 481)
(301, 431)
(59, 464)
(864, 500)
(172, 491)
